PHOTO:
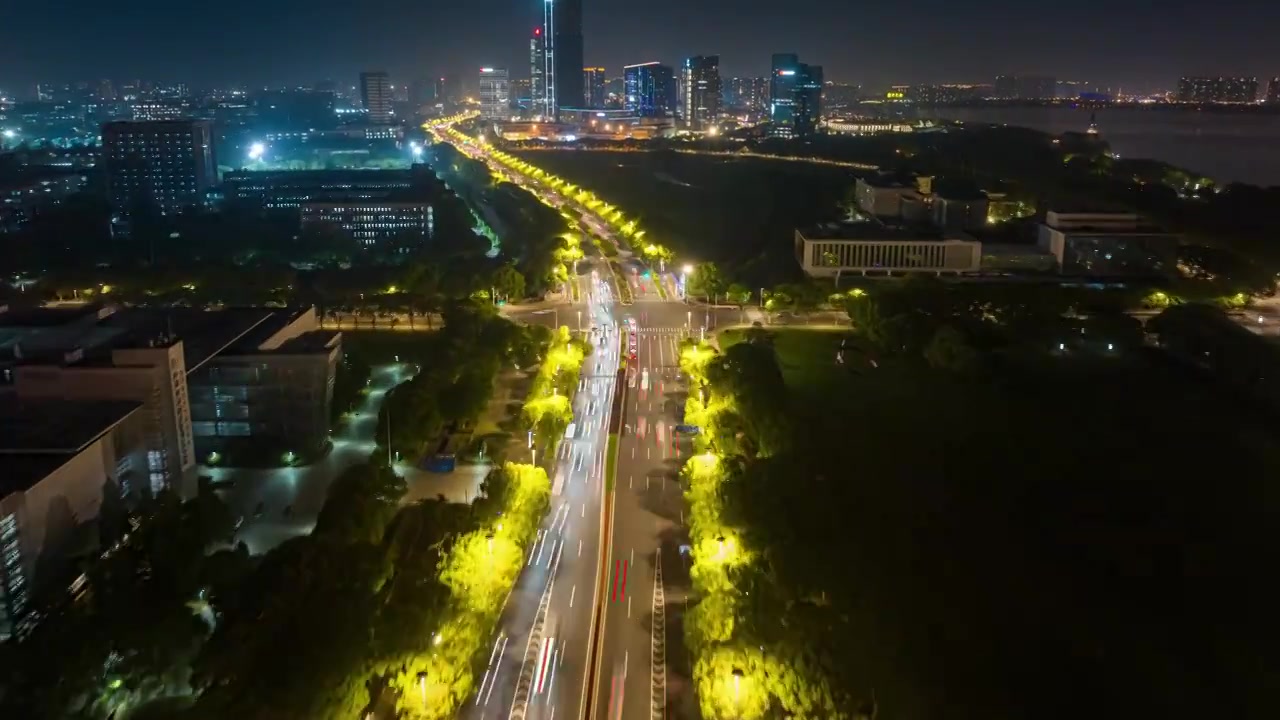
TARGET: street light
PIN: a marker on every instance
(256, 151)
(422, 685)
(737, 684)
(579, 321)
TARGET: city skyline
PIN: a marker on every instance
(275, 43)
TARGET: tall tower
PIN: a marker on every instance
(566, 41)
(375, 91)
(537, 72)
(700, 83)
(550, 86)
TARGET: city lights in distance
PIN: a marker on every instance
(10, 134)
(256, 151)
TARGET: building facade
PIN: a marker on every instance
(1217, 89)
(375, 93)
(566, 32)
(538, 72)
(371, 221)
(61, 464)
(700, 87)
(1108, 245)
(272, 390)
(650, 89)
(870, 248)
(749, 94)
(795, 97)
(495, 93)
(163, 166)
(594, 79)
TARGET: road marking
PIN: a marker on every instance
(646, 482)
(658, 646)
(646, 453)
(628, 607)
(633, 556)
(584, 509)
(572, 591)
(626, 656)
(631, 482)
(580, 542)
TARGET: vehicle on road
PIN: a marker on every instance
(688, 430)
(570, 431)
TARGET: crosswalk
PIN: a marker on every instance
(664, 331)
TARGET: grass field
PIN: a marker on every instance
(739, 212)
(1044, 540)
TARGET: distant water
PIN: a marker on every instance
(1228, 147)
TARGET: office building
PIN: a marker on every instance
(538, 72)
(1108, 245)
(163, 166)
(495, 93)
(594, 79)
(866, 246)
(1273, 91)
(147, 355)
(372, 221)
(795, 97)
(289, 189)
(749, 94)
(1218, 89)
(62, 463)
(700, 88)
(650, 89)
(32, 193)
(566, 31)
(268, 392)
(375, 93)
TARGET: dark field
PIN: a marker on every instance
(738, 213)
(1075, 538)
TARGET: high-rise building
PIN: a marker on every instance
(495, 93)
(538, 71)
(566, 32)
(593, 78)
(166, 166)
(106, 91)
(700, 85)
(1218, 89)
(795, 97)
(808, 106)
(650, 89)
(375, 92)
(1273, 90)
(1005, 87)
(747, 93)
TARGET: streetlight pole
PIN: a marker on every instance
(579, 321)
(384, 402)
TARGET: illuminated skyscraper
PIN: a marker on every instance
(375, 92)
(537, 72)
(593, 79)
(650, 89)
(495, 93)
(700, 85)
(795, 97)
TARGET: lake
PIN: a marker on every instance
(1228, 147)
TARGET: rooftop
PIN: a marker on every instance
(890, 180)
(53, 426)
(49, 335)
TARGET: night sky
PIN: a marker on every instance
(1137, 45)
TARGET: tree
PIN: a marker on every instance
(508, 283)
(706, 280)
(738, 294)
(361, 503)
(950, 350)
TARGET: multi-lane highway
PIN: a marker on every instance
(585, 631)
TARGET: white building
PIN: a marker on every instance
(872, 248)
(495, 93)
